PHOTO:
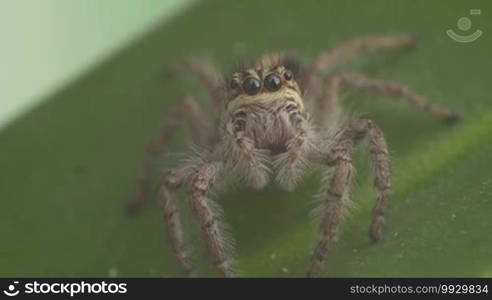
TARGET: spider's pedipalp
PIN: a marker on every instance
(293, 163)
(246, 160)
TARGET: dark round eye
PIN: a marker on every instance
(273, 82)
(251, 86)
(288, 75)
(233, 84)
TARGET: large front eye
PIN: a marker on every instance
(273, 82)
(251, 86)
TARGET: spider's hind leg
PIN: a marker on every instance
(187, 110)
(329, 101)
(208, 75)
(378, 149)
(326, 61)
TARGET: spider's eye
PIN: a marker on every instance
(251, 86)
(233, 84)
(273, 82)
(288, 75)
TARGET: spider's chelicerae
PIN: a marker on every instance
(275, 119)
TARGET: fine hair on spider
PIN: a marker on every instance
(273, 121)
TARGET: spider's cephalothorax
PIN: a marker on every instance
(273, 121)
(265, 103)
(265, 123)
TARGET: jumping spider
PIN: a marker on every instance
(274, 119)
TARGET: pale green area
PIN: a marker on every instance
(67, 167)
(44, 44)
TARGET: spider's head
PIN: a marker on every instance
(271, 78)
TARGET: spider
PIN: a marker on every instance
(273, 121)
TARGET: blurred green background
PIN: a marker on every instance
(46, 44)
(67, 166)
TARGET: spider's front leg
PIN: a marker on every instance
(172, 181)
(207, 213)
(198, 179)
(340, 159)
(336, 195)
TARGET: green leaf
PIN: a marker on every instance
(67, 167)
